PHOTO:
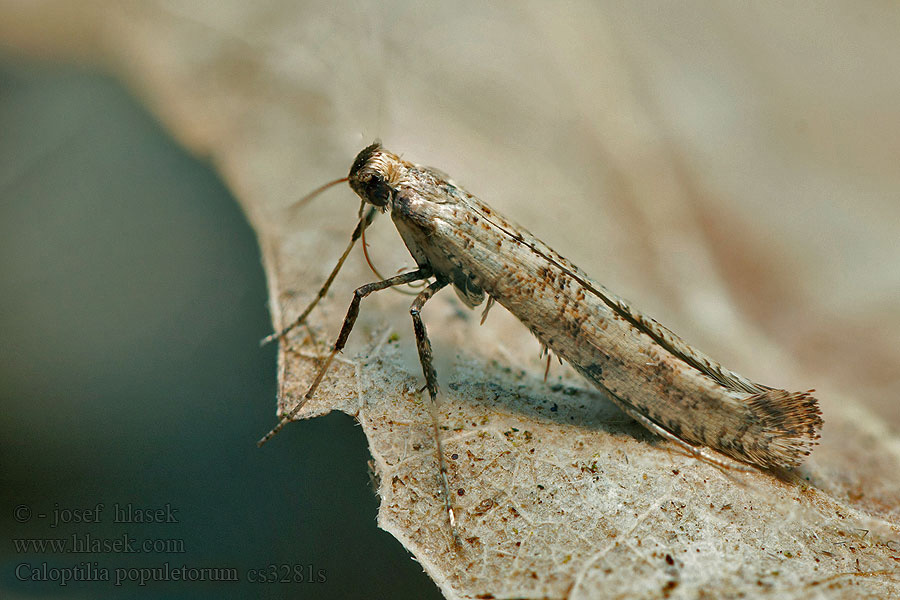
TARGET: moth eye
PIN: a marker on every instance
(378, 192)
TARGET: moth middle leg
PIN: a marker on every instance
(423, 345)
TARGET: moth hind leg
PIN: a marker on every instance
(695, 451)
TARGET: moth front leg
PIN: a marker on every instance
(364, 222)
(349, 321)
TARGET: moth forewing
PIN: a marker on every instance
(657, 378)
(680, 392)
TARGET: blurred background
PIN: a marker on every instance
(133, 300)
(732, 168)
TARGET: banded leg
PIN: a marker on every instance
(349, 321)
(695, 451)
(360, 227)
(423, 344)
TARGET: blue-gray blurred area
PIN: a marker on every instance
(132, 298)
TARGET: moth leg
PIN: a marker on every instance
(698, 453)
(487, 307)
(349, 321)
(423, 344)
(360, 227)
(545, 351)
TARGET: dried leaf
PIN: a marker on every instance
(677, 157)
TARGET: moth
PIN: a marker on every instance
(663, 383)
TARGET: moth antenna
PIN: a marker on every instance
(302, 201)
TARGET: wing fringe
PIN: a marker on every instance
(789, 423)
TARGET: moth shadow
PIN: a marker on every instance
(560, 403)
(565, 404)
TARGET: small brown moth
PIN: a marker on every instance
(654, 376)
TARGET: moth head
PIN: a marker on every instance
(370, 175)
